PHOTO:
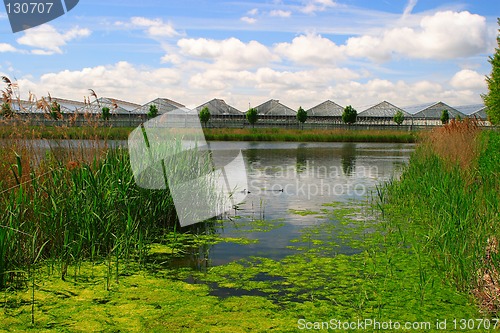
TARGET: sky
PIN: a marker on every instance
(301, 52)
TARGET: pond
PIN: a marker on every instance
(289, 186)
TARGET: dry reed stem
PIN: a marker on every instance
(487, 291)
(456, 142)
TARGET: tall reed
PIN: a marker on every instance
(448, 199)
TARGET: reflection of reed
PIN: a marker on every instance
(348, 158)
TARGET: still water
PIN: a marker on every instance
(289, 184)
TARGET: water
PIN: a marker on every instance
(286, 179)
(290, 178)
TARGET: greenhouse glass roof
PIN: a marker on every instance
(326, 109)
(274, 108)
(382, 110)
(219, 107)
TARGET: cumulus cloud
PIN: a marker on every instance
(268, 78)
(400, 93)
(154, 27)
(228, 53)
(4, 47)
(468, 79)
(311, 49)
(444, 35)
(121, 80)
(47, 40)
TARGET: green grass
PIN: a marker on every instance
(452, 213)
(91, 211)
(276, 134)
(75, 133)
(223, 134)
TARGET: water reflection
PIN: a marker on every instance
(285, 178)
(301, 164)
(348, 158)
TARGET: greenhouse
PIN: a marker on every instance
(221, 112)
(273, 112)
(116, 107)
(163, 105)
(327, 111)
(430, 114)
(474, 111)
(383, 114)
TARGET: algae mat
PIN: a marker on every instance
(388, 281)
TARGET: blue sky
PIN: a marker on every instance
(301, 52)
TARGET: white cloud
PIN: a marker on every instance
(268, 78)
(47, 40)
(400, 93)
(155, 27)
(312, 6)
(228, 53)
(121, 80)
(409, 8)
(311, 49)
(468, 79)
(249, 20)
(4, 47)
(444, 35)
(253, 12)
(280, 13)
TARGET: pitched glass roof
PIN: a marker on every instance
(432, 111)
(382, 110)
(275, 108)
(219, 107)
(326, 109)
(164, 105)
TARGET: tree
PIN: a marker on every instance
(55, 110)
(205, 115)
(301, 116)
(492, 98)
(153, 111)
(445, 117)
(399, 117)
(349, 116)
(105, 113)
(6, 110)
(252, 116)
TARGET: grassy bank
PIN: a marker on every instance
(68, 206)
(223, 134)
(448, 202)
(274, 134)
(63, 132)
